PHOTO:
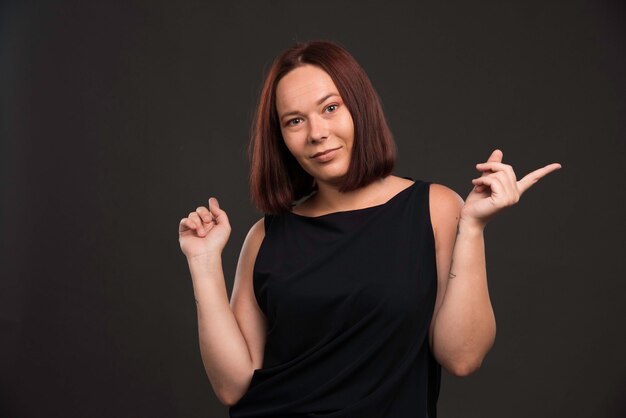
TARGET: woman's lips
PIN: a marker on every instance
(326, 156)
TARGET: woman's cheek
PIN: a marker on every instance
(291, 141)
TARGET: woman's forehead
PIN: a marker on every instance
(302, 86)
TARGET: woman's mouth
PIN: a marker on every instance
(325, 155)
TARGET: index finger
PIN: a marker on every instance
(534, 176)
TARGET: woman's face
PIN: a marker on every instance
(313, 119)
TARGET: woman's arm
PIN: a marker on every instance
(231, 336)
(223, 348)
(463, 328)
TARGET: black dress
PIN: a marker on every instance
(348, 298)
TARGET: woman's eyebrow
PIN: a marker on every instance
(319, 102)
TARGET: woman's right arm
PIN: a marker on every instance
(231, 339)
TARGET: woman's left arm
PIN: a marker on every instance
(463, 328)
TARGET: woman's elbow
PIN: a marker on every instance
(224, 400)
(229, 399)
(463, 368)
(227, 395)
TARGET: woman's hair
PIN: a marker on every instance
(276, 178)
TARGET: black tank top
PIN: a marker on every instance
(348, 297)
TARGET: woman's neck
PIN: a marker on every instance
(328, 198)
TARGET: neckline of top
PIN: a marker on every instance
(360, 209)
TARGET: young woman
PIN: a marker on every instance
(357, 285)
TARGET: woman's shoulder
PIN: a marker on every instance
(445, 205)
(256, 233)
(444, 195)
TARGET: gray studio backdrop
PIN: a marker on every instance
(118, 118)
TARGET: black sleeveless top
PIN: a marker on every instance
(348, 297)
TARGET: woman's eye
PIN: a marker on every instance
(294, 122)
(332, 108)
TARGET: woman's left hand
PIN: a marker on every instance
(497, 189)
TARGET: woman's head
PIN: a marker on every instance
(314, 119)
(292, 123)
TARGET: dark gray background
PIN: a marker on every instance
(118, 118)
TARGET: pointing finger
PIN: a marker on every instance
(534, 176)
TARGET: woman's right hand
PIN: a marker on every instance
(204, 231)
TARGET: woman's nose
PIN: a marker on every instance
(318, 128)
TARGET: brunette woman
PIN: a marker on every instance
(357, 285)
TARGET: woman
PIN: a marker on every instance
(365, 286)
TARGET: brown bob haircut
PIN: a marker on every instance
(276, 178)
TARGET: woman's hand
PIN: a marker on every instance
(497, 189)
(204, 231)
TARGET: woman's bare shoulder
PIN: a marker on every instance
(257, 231)
(443, 195)
(445, 206)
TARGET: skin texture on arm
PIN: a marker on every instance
(463, 327)
(237, 360)
(231, 336)
(225, 354)
(243, 303)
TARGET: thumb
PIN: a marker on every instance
(214, 206)
(496, 156)
(217, 212)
